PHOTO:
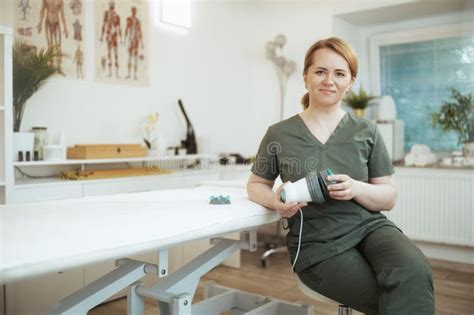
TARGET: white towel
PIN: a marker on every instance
(410, 159)
(420, 149)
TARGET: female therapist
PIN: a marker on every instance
(349, 252)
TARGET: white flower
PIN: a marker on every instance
(150, 129)
(152, 118)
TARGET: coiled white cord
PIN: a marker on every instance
(299, 240)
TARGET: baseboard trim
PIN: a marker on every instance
(460, 254)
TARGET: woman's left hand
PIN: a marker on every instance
(346, 189)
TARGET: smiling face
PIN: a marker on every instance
(328, 79)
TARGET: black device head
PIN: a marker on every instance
(318, 185)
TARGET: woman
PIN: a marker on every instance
(350, 251)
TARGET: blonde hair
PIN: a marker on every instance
(337, 45)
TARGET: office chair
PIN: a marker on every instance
(342, 309)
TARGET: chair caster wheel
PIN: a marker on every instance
(263, 262)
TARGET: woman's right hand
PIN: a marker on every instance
(286, 210)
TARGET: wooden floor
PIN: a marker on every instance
(454, 286)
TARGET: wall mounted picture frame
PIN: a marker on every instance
(59, 23)
(121, 42)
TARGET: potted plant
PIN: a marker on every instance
(358, 101)
(31, 69)
(458, 115)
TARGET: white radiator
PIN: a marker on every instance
(435, 205)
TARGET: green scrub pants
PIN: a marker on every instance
(384, 274)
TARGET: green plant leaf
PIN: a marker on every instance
(31, 69)
(456, 114)
(358, 100)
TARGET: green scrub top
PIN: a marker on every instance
(355, 148)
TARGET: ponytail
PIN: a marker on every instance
(305, 100)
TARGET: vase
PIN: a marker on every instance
(23, 142)
(359, 112)
(468, 153)
(153, 153)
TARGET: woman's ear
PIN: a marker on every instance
(350, 85)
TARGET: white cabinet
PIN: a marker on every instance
(35, 295)
(35, 193)
(393, 134)
(107, 187)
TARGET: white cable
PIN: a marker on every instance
(299, 240)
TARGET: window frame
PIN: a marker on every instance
(409, 36)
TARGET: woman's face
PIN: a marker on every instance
(328, 79)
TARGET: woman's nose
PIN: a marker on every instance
(328, 80)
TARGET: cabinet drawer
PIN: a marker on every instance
(116, 186)
(32, 194)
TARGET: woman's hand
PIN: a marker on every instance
(346, 189)
(286, 210)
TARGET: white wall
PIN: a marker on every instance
(6, 6)
(217, 67)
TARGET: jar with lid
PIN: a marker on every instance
(41, 139)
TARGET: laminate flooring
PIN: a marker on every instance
(454, 286)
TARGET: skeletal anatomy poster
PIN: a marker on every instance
(121, 40)
(54, 23)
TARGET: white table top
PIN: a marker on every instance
(51, 236)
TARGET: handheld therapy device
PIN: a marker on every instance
(312, 188)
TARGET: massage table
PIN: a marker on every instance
(37, 238)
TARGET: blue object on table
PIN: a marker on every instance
(219, 200)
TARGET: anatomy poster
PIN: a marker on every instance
(121, 41)
(58, 23)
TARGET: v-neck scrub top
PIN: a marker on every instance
(356, 149)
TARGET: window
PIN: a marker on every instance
(419, 75)
(176, 12)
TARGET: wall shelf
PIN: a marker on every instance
(55, 181)
(117, 160)
(213, 169)
(52, 181)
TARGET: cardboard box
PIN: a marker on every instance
(106, 151)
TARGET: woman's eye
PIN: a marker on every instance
(319, 72)
(340, 74)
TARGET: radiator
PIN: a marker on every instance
(435, 205)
